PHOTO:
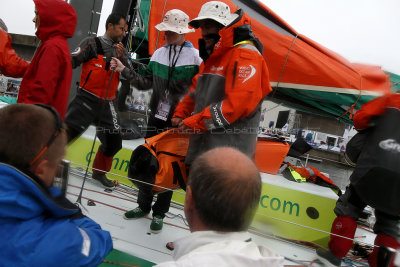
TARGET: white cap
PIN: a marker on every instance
(175, 20)
(215, 10)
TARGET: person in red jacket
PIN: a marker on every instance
(374, 182)
(10, 64)
(223, 105)
(48, 78)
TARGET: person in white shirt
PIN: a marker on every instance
(222, 195)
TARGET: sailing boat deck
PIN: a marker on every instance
(134, 237)
(270, 225)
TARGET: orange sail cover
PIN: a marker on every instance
(301, 70)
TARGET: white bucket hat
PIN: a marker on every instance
(215, 10)
(175, 20)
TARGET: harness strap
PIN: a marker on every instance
(178, 178)
(99, 47)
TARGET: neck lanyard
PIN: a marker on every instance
(172, 64)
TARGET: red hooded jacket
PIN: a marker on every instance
(48, 78)
(10, 64)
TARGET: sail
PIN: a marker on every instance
(304, 74)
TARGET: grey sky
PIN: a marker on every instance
(364, 31)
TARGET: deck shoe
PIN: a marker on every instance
(102, 178)
(135, 214)
(327, 258)
(156, 224)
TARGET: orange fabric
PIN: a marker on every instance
(305, 173)
(270, 155)
(171, 142)
(10, 64)
(99, 79)
(309, 63)
(373, 108)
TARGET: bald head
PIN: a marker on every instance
(226, 188)
(24, 131)
(230, 160)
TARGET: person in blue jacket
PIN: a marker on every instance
(39, 226)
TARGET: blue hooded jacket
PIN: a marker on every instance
(39, 227)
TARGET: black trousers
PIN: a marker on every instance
(88, 109)
(160, 207)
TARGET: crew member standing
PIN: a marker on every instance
(170, 73)
(223, 107)
(48, 77)
(95, 98)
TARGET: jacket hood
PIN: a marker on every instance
(57, 17)
(24, 197)
(239, 30)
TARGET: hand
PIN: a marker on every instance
(183, 128)
(116, 65)
(120, 49)
(176, 121)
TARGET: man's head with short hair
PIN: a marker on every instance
(115, 26)
(24, 131)
(223, 192)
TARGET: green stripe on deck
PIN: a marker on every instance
(119, 258)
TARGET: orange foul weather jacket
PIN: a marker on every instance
(226, 95)
(10, 64)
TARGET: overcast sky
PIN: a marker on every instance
(364, 31)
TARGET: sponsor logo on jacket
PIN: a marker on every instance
(246, 72)
(390, 145)
(216, 116)
(76, 51)
(216, 69)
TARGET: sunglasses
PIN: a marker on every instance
(59, 129)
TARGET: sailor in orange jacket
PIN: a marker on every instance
(10, 64)
(227, 93)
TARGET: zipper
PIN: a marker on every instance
(234, 74)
